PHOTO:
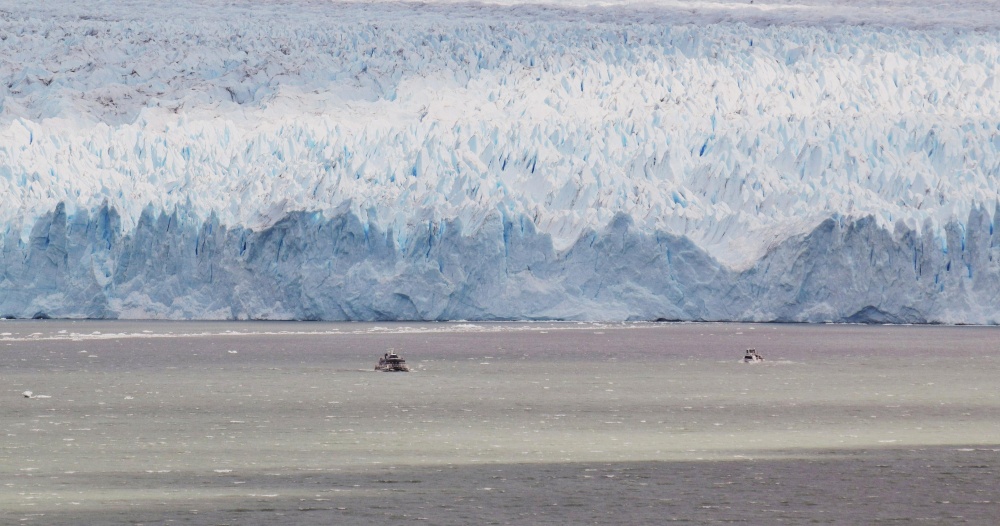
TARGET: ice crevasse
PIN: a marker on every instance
(676, 160)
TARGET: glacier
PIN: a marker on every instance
(675, 160)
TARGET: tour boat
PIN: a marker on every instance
(391, 362)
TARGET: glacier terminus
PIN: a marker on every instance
(809, 161)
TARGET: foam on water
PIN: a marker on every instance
(22, 329)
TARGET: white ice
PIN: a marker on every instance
(736, 124)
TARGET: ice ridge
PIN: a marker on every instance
(307, 266)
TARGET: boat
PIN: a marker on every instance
(391, 362)
(751, 356)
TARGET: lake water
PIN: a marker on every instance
(507, 423)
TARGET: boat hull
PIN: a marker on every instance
(392, 368)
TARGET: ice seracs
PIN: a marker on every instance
(399, 160)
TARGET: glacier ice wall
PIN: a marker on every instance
(307, 266)
(677, 160)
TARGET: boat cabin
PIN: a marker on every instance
(751, 356)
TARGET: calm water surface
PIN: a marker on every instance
(559, 423)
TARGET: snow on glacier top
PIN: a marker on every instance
(914, 14)
(736, 124)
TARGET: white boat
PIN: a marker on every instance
(391, 362)
(751, 356)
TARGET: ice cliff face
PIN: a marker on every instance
(676, 160)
